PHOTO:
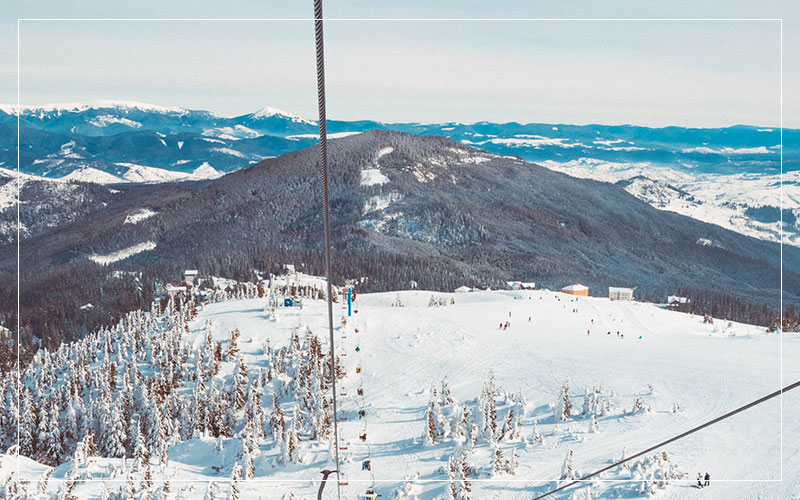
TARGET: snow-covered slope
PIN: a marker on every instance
(725, 200)
(397, 347)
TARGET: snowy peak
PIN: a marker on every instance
(270, 112)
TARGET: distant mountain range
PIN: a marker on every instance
(60, 139)
(726, 176)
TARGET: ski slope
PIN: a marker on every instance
(665, 357)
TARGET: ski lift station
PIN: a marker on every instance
(189, 276)
(617, 293)
(576, 289)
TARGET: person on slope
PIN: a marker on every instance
(699, 480)
(707, 480)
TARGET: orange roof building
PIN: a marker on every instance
(576, 289)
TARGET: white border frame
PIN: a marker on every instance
(227, 480)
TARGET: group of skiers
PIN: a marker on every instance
(703, 481)
(504, 326)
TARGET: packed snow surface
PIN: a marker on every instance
(684, 371)
(122, 254)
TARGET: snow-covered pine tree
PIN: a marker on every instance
(248, 467)
(70, 423)
(593, 426)
(536, 438)
(458, 424)
(430, 428)
(587, 408)
(639, 406)
(567, 472)
(446, 396)
(277, 425)
(451, 488)
(240, 384)
(52, 443)
(463, 486)
(147, 477)
(442, 427)
(140, 452)
(113, 441)
(513, 462)
(563, 408)
(499, 463)
(471, 429)
(236, 476)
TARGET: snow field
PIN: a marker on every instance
(405, 346)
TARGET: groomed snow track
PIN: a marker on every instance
(672, 439)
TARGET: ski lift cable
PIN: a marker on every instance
(323, 152)
(674, 438)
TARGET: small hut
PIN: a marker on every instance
(576, 289)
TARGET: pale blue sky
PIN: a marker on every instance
(649, 73)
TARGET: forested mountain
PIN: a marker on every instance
(404, 208)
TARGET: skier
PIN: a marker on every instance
(707, 480)
(529, 319)
(699, 480)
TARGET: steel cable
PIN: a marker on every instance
(674, 438)
(323, 154)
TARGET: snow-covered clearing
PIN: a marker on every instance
(123, 254)
(139, 215)
(373, 176)
(397, 345)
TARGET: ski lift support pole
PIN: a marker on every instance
(674, 438)
(323, 152)
(325, 475)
